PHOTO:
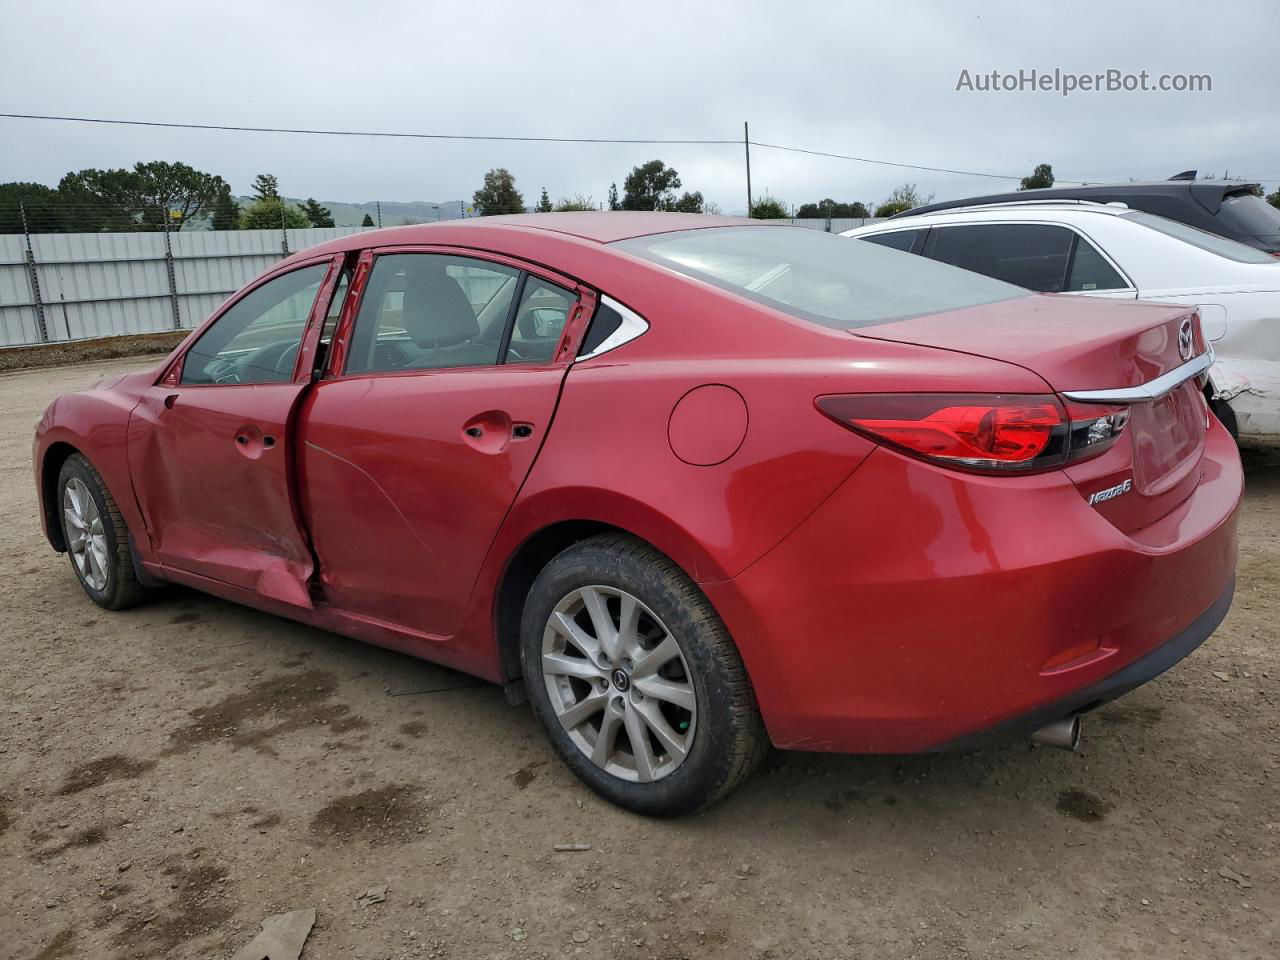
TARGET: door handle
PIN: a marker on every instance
(522, 430)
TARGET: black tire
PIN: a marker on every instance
(1222, 410)
(122, 588)
(729, 740)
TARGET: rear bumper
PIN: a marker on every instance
(1117, 685)
(918, 607)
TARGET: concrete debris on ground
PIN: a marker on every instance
(282, 938)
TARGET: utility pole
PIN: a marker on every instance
(379, 204)
(168, 266)
(746, 146)
(34, 278)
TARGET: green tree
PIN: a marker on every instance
(499, 194)
(613, 197)
(1040, 178)
(650, 186)
(769, 208)
(43, 205)
(905, 197)
(832, 208)
(226, 212)
(1274, 198)
(266, 186)
(544, 205)
(367, 221)
(318, 216)
(272, 213)
(689, 203)
(143, 198)
(576, 202)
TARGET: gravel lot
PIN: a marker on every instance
(172, 775)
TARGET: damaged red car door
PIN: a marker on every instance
(210, 444)
(414, 446)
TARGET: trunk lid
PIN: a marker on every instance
(1081, 346)
(1073, 343)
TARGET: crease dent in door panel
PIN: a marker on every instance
(533, 462)
(377, 486)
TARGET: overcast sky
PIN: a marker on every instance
(873, 79)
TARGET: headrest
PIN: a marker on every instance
(436, 311)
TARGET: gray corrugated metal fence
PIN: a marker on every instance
(73, 286)
(106, 284)
(837, 224)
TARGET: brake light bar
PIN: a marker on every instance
(1000, 433)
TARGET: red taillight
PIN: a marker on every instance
(999, 433)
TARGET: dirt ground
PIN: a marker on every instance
(172, 775)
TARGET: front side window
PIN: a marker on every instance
(540, 319)
(819, 277)
(1032, 255)
(425, 311)
(257, 339)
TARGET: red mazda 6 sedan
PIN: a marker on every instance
(697, 484)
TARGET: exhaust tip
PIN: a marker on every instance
(1063, 734)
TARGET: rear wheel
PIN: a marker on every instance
(1222, 410)
(96, 537)
(636, 680)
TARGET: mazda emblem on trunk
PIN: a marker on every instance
(1186, 342)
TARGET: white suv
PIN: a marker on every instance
(1105, 250)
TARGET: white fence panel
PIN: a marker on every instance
(838, 224)
(107, 284)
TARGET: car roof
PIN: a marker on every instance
(1208, 194)
(1023, 210)
(599, 227)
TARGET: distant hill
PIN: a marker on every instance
(395, 213)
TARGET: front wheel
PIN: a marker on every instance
(636, 680)
(96, 537)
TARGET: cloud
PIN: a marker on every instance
(869, 79)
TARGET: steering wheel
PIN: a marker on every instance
(287, 360)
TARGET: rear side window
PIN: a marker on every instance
(540, 319)
(1032, 255)
(1231, 249)
(426, 311)
(904, 240)
(1091, 271)
(606, 322)
(818, 277)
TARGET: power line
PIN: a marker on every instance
(513, 139)
(891, 163)
(519, 139)
(355, 133)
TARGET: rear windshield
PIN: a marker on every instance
(820, 277)
(1251, 215)
(1231, 249)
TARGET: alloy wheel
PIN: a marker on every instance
(86, 539)
(619, 684)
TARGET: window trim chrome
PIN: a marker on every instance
(1152, 389)
(632, 326)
